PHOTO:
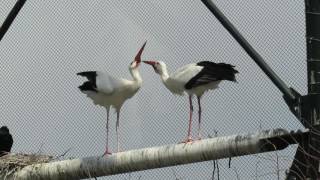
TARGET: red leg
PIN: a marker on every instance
(117, 130)
(107, 127)
(199, 116)
(189, 138)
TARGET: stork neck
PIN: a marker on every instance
(136, 75)
(164, 74)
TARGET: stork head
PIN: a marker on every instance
(158, 66)
(137, 60)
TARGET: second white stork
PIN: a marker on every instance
(108, 91)
(194, 79)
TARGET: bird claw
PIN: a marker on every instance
(188, 140)
(107, 152)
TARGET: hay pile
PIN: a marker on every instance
(12, 162)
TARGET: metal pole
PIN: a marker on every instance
(249, 49)
(8, 21)
(307, 159)
(306, 163)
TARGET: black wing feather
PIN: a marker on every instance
(90, 75)
(89, 85)
(212, 72)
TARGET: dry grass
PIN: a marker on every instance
(12, 162)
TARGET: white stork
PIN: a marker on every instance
(108, 91)
(194, 79)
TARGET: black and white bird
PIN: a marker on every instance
(6, 141)
(194, 79)
(108, 91)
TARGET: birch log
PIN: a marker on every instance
(153, 157)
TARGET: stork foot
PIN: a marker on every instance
(107, 152)
(188, 140)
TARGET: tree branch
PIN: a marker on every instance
(154, 157)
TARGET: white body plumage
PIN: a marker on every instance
(108, 91)
(194, 79)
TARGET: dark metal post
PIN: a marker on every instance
(307, 158)
(8, 21)
(313, 45)
(306, 108)
(249, 49)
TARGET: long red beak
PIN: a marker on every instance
(150, 62)
(138, 56)
(153, 64)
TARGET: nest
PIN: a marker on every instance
(10, 163)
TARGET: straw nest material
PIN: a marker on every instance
(10, 163)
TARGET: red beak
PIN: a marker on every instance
(152, 63)
(138, 56)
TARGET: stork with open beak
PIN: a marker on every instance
(108, 91)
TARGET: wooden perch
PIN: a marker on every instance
(156, 157)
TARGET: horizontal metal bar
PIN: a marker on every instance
(315, 13)
(311, 38)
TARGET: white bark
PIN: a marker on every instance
(149, 158)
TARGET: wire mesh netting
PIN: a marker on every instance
(50, 41)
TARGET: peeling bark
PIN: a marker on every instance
(150, 158)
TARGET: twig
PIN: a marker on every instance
(214, 169)
(63, 154)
